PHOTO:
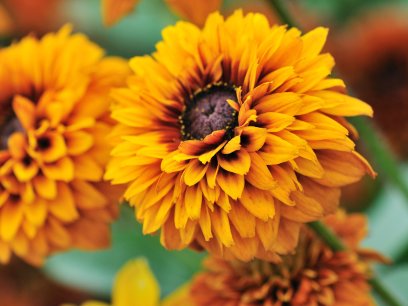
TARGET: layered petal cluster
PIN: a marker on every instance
(53, 151)
(313, 276)
(231, 137)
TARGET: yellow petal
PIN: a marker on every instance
(237, 162)
(114, 10)
(136, 285)
(180, 297)
(259, 174)
(194, 172)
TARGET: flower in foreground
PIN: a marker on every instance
(53, 149)
(314, 275)
(231, 137)
(135, 285)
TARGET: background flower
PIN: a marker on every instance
(313, 275)
(238, 139)
(53, 149)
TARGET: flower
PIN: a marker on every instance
(195, 11)
(231, 137)
(313, 275)
(53, 149)
(26, 16)
(373, 57)
(135, 285)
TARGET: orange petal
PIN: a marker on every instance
(259, 174)
(10, 220)
(25, 111)
(78, 142)
(45, 187)
(52, 147)
(194, 172)
(63, 170)
(114, 10)
(17, 145)
(63, 207)
(195, 11)
(237, 162)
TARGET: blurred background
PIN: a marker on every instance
(369, 40)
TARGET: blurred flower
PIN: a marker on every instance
(135, 285)
(195, 11)
(313, 275)
(27, 16)
(6, 24)
(231, 137)
(53, 149)
(373, 56)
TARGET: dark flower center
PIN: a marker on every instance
(208, 111)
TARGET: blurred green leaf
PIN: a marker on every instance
(95, 271)
(135, 34)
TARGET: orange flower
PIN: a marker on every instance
(195, 11)
(233, 136)
(53, 148)
(27, 16)
(313, 276)
(373, 56)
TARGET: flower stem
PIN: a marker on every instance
(328, 236)
(282, 12)
(382, 155)
(337, 245)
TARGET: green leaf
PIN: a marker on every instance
(95, 271)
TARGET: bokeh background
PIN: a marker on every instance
(369, 40)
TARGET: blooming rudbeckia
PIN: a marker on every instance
(135, 285)
(314, 275)
(53, 149)
(231, 137)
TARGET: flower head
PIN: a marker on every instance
(53, 149)
(231, 137)
(314, 275)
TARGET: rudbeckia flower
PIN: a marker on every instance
(231, 137)
(135, 285)
(195, 11)
(313, 276)
(53, 150)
